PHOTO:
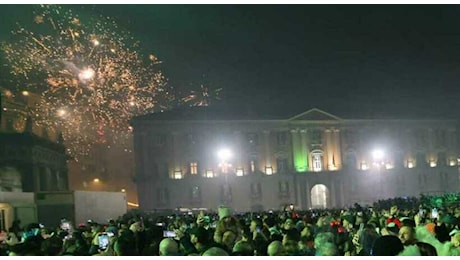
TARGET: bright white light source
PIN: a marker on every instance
(96, 42)
(224, 154)
(377, 154)
(25, 93)
(86, 74)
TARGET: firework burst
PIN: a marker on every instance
(89, 74)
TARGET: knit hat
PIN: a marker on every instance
(387, 246)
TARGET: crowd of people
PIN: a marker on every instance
(360, 231)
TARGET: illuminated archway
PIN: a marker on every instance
(319, 195)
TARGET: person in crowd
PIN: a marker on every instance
(242, 248)
(387, 246)
(407, 235)
(169, 247)
(275, 248)
(215, 251)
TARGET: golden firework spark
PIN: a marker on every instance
(89, 74)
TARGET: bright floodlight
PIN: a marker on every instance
(224, 154)
(87, 74)
(377, 154)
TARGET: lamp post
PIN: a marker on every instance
(378, 157)
(224, 155)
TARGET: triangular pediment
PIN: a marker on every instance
(314, 114)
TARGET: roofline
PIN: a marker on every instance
(315, 109)
(288, 121)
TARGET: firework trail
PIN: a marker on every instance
(90, 76)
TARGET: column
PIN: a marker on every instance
(333, 195)
(329, 149)
(300, 161)
(307, 194)
(338, 149)
(176, 153)
(304, 147)
(238, 153)
(267, 154)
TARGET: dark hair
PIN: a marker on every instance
(387, 246)
(52, 246)
(293, 234)
(426, 249)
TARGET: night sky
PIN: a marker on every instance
(354, 61)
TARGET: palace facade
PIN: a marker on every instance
(200, 158)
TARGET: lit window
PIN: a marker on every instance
(410, 164)
(432, 164)
(389, 166)
(177, 175)
(193, 168)
(317, 162)
(268, 170)
(209, 174)
(239, 172)
(364, 166)
(452, 163)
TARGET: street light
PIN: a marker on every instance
(224, 155)
(378, 156)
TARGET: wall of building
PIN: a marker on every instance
(419, 156)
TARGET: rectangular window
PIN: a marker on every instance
(209, 173)
(283, 189)
(317, 162)
(177, 174)
(194, 168)
(268, 170)
(281, 138)
(281, 165)
(256, 190)
(239, 172)
(196, 193)
(253, 139)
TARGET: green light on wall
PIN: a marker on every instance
(300, 163)
(300, 156)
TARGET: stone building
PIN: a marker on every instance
(202, 157)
